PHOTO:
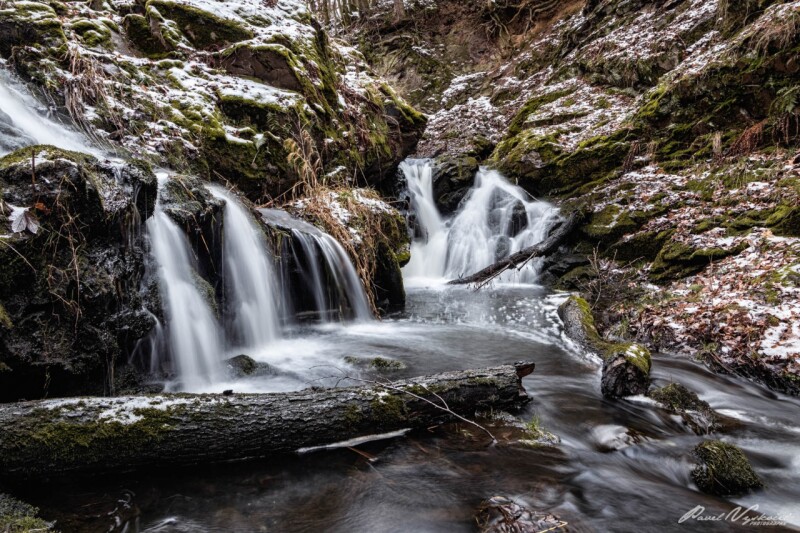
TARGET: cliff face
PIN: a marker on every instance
(675, 122)
(253, 94)
(227, 90)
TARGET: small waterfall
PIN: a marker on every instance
(495, 220)
(251, 287)
(195, 338)
(317, 273)
(22, 121)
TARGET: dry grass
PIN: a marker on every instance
(363, 252)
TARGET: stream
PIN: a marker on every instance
(620, 466)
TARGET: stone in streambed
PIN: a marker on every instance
(245, 366)
(696, 413)
(17, 516)
(723, 469)
(626, 366)
(381, 364)
(500, 514)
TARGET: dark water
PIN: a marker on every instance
(621, 466)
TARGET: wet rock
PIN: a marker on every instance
(626, 371)
(72, 300)
(723, 469)
(696, 413)
(380, 364)
(503, 515)
(453, 177)
(519, 220)
(626, 366)
(502, 249)
(244, 365)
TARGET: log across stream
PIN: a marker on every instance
(57, 437)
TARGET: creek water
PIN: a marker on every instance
(621, 465)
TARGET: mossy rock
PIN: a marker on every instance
(609, 224)
(203, 28)
(785, 220)
(381, 364)
(723, 469)
(626, 370)
(677, 260)
(137, 29)
(30, 24)
(645, 245)
(19, 517)
(626, 366)
(696, 413)
(5, 320)
(92, 33)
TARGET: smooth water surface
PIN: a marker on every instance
(621, 466)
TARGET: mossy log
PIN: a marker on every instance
(521, 258)
(90, 435)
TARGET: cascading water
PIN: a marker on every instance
(495, 220)
(251, 287)
(194, 336)
(317, 272)
(22, 121)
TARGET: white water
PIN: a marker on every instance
(326, 271)
(495, 220)
(195, 338)
(28, 124)
(251, 287)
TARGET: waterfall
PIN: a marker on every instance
(317, 273)
(495, 220)
(250, 284)
(22, 121)
(194, 336)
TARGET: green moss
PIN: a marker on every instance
(785, 220)
(5, 320)
(353, 416)
(91, 32)
(677, 260)
(30, 24)
(137, 29)
(202, 28)
(609, 224)
(536, 436)
(531, 106)
(676, 398)
(388, 410)
(20, 517)
(641, 246)
(723, 469)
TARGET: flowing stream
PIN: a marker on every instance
(495, 220)
(620, 465)
(24, 121)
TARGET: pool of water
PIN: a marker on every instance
(621, 465)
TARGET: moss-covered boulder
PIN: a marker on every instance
(723, 469)
(696, 413)
(30, 23)
(202, 27)
(626, 366)
(73, 257)
(452, 177)
(679, 260)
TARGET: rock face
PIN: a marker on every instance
(677, 123)
(723, 469)
(226, 91)
(72, 258)
(626, 366)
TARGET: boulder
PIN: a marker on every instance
(19, 517)
(626, 366)
(723, 469)
(73, 259)
(453, 177)
(244, 366)
(696, 413)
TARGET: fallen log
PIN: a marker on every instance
(86, 435)
(521, 258)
